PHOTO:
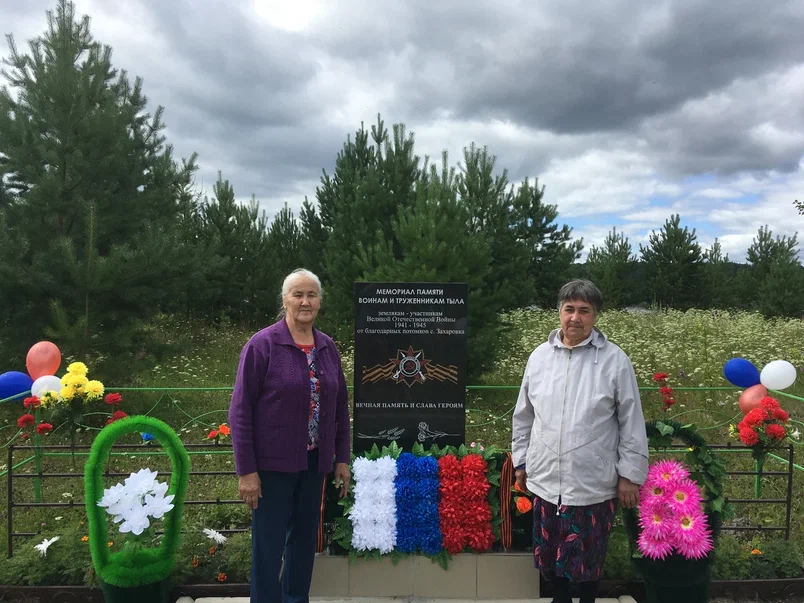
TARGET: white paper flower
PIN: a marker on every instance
(157, 506)
(112, 496)
(43, 546)
(135, 522)
(373, 515)
(141, 482)
(215, 536)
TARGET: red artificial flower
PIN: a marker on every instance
(749, 437)
(44, 428)
(25, 436)
(474, 488)
(25, 420)
(212, 434)
(666, 391)
(31, 402)
(113, 399)
(769, 403)
(660, 377)
(780, 415)
(756, 416)
(775, 432)
(116, 416)
(224, 429)
(221, 577)
(474, 463)
(449, 467)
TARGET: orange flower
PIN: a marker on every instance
(523, 504)
(224, 429)
(212, 550)
(756, 552)
(221, 577)
(195, 562)
(84, 538)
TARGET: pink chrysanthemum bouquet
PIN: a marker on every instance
(671, 514)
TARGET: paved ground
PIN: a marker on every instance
(399, 600)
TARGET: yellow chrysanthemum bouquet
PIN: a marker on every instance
(69, 403)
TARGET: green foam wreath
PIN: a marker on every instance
(134, 566)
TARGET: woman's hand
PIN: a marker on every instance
(250, 489)
(522, 479)
(342, 477)
(628, 493)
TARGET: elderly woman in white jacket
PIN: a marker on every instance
(579, 443)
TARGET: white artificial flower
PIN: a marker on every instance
(111, 496)
(135, 522)
(213, 535)
(160, 488)
(142, 482)
(43, 546)
(796, 435)
(59, 518)
(157, 506)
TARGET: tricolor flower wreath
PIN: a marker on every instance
(436, 502)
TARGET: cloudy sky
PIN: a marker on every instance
(626, 110)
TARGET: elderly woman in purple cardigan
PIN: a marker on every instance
(290, 422)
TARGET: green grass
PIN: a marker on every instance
(692, 347)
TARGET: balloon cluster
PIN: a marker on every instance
(776, 375)
(42, 362)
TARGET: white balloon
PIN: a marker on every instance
(778, 375)
(47, 383)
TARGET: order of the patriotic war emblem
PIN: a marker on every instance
(410, 367)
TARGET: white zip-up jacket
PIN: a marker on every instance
(578, 424)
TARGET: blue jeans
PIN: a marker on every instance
(285, 521)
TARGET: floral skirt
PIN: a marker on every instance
(572, 542)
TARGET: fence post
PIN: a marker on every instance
(10, 476)
(789, 491)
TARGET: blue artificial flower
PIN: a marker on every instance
(147, 437)
(417, 523)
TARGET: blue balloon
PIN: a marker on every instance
(13, 383)
(741, 372)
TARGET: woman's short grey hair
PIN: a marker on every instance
(582, 290)
(286, 284)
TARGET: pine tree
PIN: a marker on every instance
(550, 249)
(611, 268)
(432, 245)
(717, 272)
(91, 191)
(673, 265)
(775, 279)
(374, 178)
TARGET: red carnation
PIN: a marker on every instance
(116, 416)
(780, 415)
(660, 377)
(749, 437)
(44, 428)
(25, 420)
(474, 465)
(775, 432)
(769, 403)
(113, 399)
(756, 416)
(31, 402)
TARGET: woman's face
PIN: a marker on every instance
(303, 300)
(578, 318)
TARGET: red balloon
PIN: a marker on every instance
(751, 397)
(44, 358)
